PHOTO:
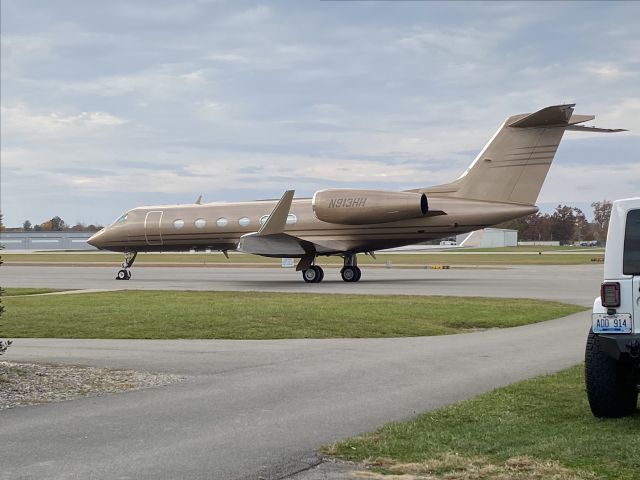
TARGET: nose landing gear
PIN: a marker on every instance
(124, 273)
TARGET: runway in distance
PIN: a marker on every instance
(501, 184)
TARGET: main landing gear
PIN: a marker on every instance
(314, 274)
(350, 272)
(124, 273)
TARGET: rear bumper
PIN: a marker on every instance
(624, 347)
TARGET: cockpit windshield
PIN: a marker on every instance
(121, 219)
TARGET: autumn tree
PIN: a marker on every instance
(563, 224)
(583, 230)
(538, 228)
(56, 224)
(601, 214)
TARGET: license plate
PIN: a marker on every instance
(617, 323)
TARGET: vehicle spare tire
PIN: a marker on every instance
(611, 390)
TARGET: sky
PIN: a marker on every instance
(111, 105)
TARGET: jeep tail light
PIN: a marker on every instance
(610, 294)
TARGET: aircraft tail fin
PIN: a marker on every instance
(512, 167)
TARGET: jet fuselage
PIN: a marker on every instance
(220, 226)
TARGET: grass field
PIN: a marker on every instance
(520, 256)
(539, 248)
(251, 315)
(537, 429)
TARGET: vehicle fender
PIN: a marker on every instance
(597, 305)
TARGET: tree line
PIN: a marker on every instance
(566, 225)
(55, 224)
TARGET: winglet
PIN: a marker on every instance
(560, 116)
(278, 217)
(549, 116)
(199, 200)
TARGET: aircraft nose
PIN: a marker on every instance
(95, 240)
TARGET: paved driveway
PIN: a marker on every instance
(251, 408)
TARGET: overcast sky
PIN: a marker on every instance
(107, 105)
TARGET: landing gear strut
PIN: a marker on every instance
(350, 272)
(124, 273)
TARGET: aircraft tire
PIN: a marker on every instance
(122, 275)
(320, 273)
(358, 274)
(310, 275)
(349, 274)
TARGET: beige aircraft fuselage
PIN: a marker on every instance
(153, 228)
(501, 184)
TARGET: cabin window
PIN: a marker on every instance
(200, 223)
(222, 222)
(178, 224)
(291, 219)
(244, 221)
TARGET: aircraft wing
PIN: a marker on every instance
(271, 240)
(278, 218)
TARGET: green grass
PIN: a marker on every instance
(525, 256)
(28, 291)
(251, 315)
(539, 248)
(538, 422)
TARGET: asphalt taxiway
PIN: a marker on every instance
(577, 284)
(251, 409)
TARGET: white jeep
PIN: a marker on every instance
(612, 357)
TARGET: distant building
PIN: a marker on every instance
(46, 240)
(488, 238)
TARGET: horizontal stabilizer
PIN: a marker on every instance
(582, 128)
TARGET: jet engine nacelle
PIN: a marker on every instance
(358, 207)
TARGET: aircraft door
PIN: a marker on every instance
(152, 232)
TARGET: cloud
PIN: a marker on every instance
(250, 17)
(609, 72)
(242, 100)
(20, 121)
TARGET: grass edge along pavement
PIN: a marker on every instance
(535, 429)
(157, 314)
(19, 291)
(416, 260)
